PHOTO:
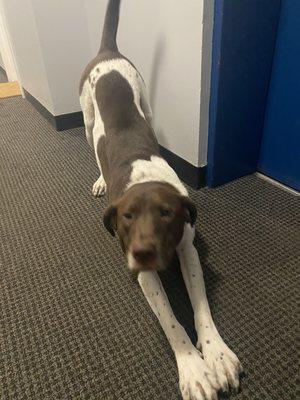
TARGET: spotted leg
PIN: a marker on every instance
(99, 187)
(196, 379)
(145, 103)
(87, 107)
(215, 352)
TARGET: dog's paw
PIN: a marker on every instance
(222, 361)
(99, 187)
(196, 380)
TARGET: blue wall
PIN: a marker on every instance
(243, 46)
(280, 147)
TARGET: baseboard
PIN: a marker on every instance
(278, 184)
(69, 121)
(59, 122)
(3, 70)
(40, 108)
(193, 176)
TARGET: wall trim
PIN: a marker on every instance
(69, 121)
(40, 108)
(193, 176)
(59, 122)
(3, 70)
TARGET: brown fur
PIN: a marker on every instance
(157, 214)
(100, 57)
(129, 136)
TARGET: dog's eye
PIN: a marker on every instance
(165, 212)
(127, 215)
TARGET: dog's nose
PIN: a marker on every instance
(143, 252)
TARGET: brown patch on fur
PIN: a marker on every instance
(128, 136)
(102, 56)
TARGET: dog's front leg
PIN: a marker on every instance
(196, 379)
(216, 353)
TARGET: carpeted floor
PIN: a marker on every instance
(74, 323)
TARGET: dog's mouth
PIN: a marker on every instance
(153, 263)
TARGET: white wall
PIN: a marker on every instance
(21, 24)
(51, 49)
(53, 40)
(65, 44)
(1, 61)
(164, 39)
(7, 54)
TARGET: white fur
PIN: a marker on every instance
(158, 170)
(216, 353)
(200, 375)
(87, 107)
(197, 381)
(132, 265)
(94, 127)
(99, 188)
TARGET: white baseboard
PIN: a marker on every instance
(278, 184)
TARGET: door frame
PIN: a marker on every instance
(244, 39)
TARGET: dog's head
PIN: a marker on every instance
(149, 220)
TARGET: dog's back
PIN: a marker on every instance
(115, 106)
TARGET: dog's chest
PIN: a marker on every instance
(155, 170)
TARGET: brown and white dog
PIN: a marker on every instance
(150, 210)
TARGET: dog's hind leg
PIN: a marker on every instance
(93, 130)
(145, 104)
(88, 111)
(99, 187)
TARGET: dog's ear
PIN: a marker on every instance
(190, 211)
(110, 218)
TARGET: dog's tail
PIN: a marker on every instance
(110, 28)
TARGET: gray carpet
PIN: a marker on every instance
(74, 323)
(3, 76)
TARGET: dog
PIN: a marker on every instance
(150, 211)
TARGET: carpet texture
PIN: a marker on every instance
(74, 323)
